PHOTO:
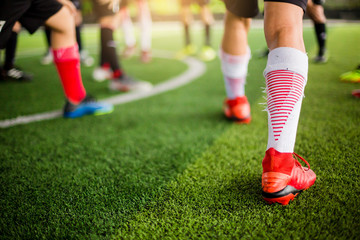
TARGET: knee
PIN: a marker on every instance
(319, 16)
(63, 21)
(234, 22)
(206, 16)
(111, 22)
(280, 32)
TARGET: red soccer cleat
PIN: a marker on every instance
(356, 93)
(283, 177)
(238, 110)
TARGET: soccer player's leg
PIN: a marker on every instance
(10, 70)
(283, 176)
(119, 81)
(145, 23)
(315, 10)
(67, 61)
(85, 58)
(235, 55)
(186, 19)
(128, 30)
(207, 52)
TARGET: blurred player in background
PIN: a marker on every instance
(10, 71)
(108, 15)
(315, 11)
(207, 53)
(352, 77)
(145, 24)
(59, 16)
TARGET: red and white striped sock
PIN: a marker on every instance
(234, 68)
(286, 76)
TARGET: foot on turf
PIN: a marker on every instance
(207, 54)
(283, 177)
(129, 51)
(188, 50)
(86, 59)
(356, 93)
(320, 59)
(126, 83)
(88, 106)
(263, 53)
(237, 110)
(145, 56)
(102, 73)
(47, 58)
(352, 76)
(16, 74)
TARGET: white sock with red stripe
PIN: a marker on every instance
(234, 68)
(286, 76)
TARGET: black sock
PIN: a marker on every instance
(78, 37)
(320, 30)
(1, 69)
(108, 49)
(207, 35)
(187, 34)
(10, 51)
(48, 36)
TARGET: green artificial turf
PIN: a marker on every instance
(171, 166)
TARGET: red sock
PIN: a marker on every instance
(117, 74)
(67, 61)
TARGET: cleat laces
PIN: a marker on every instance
(297, 158)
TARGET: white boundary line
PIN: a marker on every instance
(195, 69)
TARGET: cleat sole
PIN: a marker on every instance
(285, 200)
(234, 119)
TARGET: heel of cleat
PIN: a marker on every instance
(285, 200)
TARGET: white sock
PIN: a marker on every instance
(128, 29)
(145, 26)
(286, 76)
(234, 68)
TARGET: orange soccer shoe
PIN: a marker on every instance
(356, 93)
(283, 177)
(237, 110)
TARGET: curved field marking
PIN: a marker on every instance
(195, 69)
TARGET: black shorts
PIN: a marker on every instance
(318, 2)
(189, 2)
(30, 13)
(243, 8)
(300, 3)
(249, 8)
(77, 4)
(103, 8)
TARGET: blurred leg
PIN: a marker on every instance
(66, 54)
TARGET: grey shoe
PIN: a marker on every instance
(127, 83)
(320, 59)
(86, 59)
(16, 74)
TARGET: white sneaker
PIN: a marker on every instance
(86, 59)
(47, 58)
(102, 73)
(126, 83)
